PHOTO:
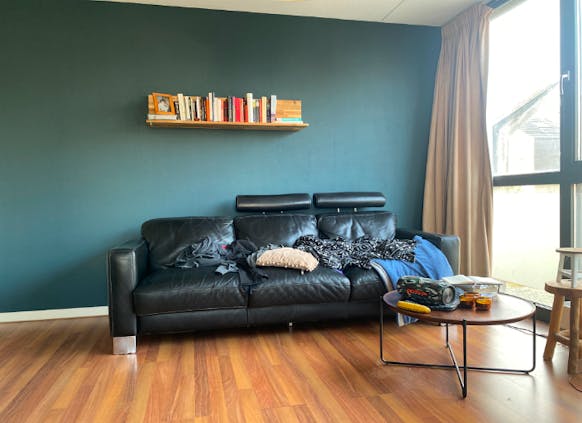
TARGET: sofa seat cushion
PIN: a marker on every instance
(289, 286)
(177, 290)
(366, 284)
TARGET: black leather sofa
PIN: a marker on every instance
(148, 295)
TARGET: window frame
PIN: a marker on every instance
(570, 172)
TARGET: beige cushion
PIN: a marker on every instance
(289, 258)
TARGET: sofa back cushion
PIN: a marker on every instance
(166, 238)
(279, 229)
(351, 226)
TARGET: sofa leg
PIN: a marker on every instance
(124, 345)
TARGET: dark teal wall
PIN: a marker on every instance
(80, 171)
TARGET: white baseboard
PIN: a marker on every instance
(64, 313)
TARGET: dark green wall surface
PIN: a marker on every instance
(80, 171)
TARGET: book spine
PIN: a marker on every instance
(182, 106)
(210, 108)
(256, 110)
(229, 109)
(238, 109)
(176, 106)
(250, 117)
(268, 110)
(187, 106)
(264, 109)
(219, 110)
(273, 108)
(198, 108)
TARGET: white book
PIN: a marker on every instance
(273, 108)
(182, 106)
(250, 103)
(198, 108)
(152, 116)
(217, 110)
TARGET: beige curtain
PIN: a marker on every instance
(458, 191)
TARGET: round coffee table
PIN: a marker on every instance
(504, 309)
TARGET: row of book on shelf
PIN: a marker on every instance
(212, 108)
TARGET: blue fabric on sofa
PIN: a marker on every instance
(429, 262)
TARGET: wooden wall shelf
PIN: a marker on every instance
(227, 125)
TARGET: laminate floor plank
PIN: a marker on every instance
(63, 371)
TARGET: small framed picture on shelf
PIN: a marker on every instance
(163, 104)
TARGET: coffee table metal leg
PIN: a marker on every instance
(381, 329)
(463, 378)
(402, 363)
(506, 370)
(465, 373)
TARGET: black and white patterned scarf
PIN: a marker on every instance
(339, 253)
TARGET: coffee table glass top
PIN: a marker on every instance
(504, 309)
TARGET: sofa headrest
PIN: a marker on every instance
(280, 229)
(166, 238)
(351, 226)
(348, 199)
(279, 202)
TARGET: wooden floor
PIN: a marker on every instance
(62, 370)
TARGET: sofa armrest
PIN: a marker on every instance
(449, 244)
(126, 266)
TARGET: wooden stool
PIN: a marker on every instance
(571, 337)
(574, 273)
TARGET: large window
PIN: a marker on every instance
(571, 181)
(578, 81)
(523, 102)
(534, 116)
(526, 227)
(523, 116)
(578, 213)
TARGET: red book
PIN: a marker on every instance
(239, 110)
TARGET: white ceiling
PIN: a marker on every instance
(412, 12)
